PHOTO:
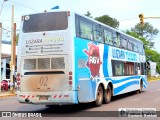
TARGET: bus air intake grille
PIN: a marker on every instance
(29, 64)
(43, 63)
(57, 63)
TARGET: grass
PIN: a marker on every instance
(153, 78)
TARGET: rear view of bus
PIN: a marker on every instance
(44, 76)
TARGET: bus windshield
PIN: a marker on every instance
(45, 22)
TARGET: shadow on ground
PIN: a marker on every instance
(81, 109)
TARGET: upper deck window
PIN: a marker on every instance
(45, 22)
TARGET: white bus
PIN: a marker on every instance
(68, 58)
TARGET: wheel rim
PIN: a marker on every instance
(108, 95)
(99, 95)
(141, 86)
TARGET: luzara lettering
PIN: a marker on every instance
(33, 41)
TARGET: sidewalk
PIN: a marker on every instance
(4, 94)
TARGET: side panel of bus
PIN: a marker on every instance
(94, 65)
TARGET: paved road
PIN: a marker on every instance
(149, 98)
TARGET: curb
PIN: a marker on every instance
(6, 95)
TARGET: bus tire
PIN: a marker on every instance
(141, 86)
(107, 95)
(99, 96)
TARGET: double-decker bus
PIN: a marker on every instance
(68, 58)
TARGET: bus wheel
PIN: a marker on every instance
(99, 96)
(107, 95)
(141, 87)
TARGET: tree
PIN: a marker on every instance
(147, 31)
(106, 19)
(88, 14)
(147, 44)
(151, 55)
(17, 37)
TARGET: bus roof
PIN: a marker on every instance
(74, 12)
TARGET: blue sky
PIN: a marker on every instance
(122, 10)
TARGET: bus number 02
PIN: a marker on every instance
(43, 81)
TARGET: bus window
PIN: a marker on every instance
(108, 37)
(140, 48)
(116, 39)
(45, 22)
(143, 69)
(135, 46)
(123, 43)
(130, 44)
(98, 33)
(86, 30)
(136, 68)
(117, 68)
(129, 68)
(77, 26)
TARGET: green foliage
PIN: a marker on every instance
(147, 31)
(88, 14)
(17, 37)
(106, 19)
(147, 44)
(151, 55)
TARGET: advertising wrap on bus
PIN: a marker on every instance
(42, 45)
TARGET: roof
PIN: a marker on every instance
(6, 49)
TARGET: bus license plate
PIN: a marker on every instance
(43, 97)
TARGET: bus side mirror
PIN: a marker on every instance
(147, 65)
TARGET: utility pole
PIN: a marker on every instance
(0, 52)
(12, 64)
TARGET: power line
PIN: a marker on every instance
(128, 19)
(25, 6)
(10, 21)
(22, 5)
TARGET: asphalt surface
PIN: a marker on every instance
(149, 98)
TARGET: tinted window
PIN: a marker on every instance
(98, 33)
(108, 37)
(140, 47)
(130, 44)
(129, 68)
(45, 22)
(116, 39)
(123, 43)
(135, 46)
(117, 68)
(85, 29)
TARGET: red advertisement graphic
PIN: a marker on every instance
(94, 61)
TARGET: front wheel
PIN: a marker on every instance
(107, 95)
(99, 96)
(141, 87)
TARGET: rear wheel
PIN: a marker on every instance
(99, 96)
(107, 95)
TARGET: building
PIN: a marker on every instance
(5, 60)
(152, 68)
